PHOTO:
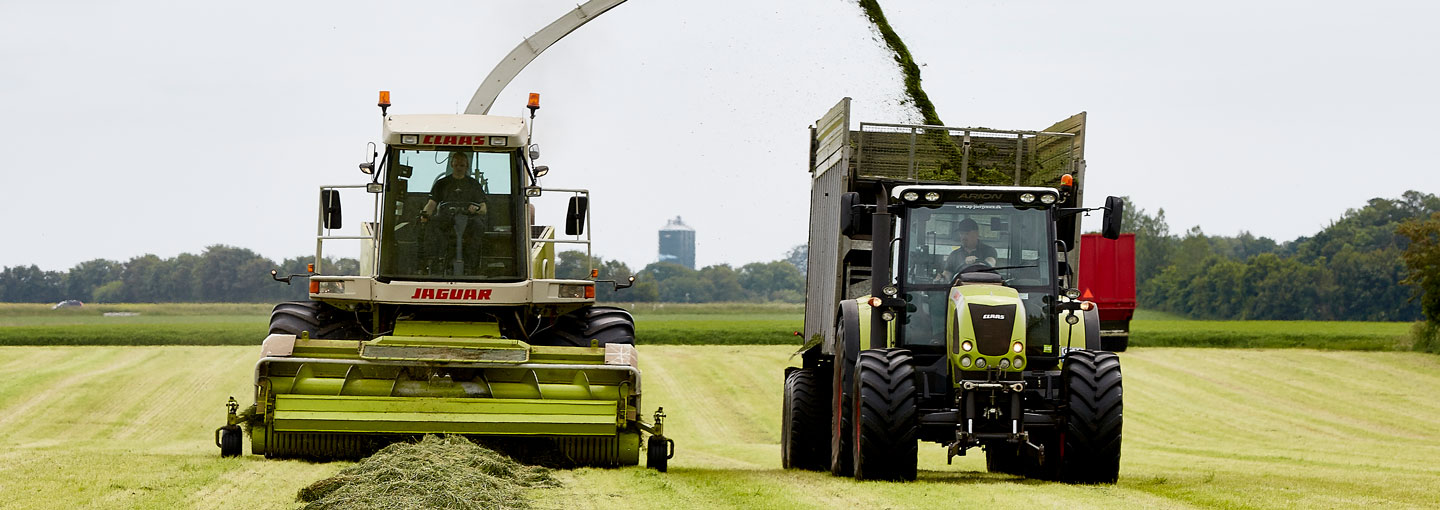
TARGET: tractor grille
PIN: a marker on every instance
(993, 326)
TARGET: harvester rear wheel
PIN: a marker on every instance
(886, 423)
(804, 440)
(604, 324)
(318, 319)
(1094, 398)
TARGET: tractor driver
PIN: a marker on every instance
(970, 251)
(461, 194)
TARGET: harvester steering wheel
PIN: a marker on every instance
(459, 206)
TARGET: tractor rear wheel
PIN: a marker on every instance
(804, 438)
(886, 426)
(842, 427)
(317, 319)
(1095, 402)
(604, 324)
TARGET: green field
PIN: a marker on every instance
(131, 427)
(656, 324)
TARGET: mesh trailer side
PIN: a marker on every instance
(976, 156)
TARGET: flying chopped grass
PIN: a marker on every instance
(448, 472)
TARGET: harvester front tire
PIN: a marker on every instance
(886, 421)
(230, 439)
(804, 438)
(1094, 401)
(603, 324)
(657, 453)
(315, 318)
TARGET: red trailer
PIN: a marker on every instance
(1107, 277)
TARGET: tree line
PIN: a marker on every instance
(229, 274)
(1353, 269)
(219, 274)
(778, 280)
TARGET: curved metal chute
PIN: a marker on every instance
(530, 48)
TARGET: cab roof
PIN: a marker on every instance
(456, 125)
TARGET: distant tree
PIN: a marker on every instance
(29, 284)
(1422, 262)
(799, 256)
(768, 281)
(85, 277)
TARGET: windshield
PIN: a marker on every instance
(941, 241)
(452, 215)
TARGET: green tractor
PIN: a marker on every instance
(456, 323)
(942, 309)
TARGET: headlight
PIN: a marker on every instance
(1047, 199)
(409, 139)
(889, 290)
(1004, 364)
(932, 196)
(571, 291)
(1018, 347)
(910, 196)
(965, 361)
(887, 316)
(1027, 197)
(979, 362)
(1072, 293)
(1019, 362)
(966, 346)
(332, 288)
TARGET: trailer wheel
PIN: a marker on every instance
(316, 318)
(804, 439)
(1094, 413)
(605, 324)
(1004, 458)
(886, 426)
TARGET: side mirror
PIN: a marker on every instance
(852, 218)
(330, 208)
(1114, 211)
(575, 216)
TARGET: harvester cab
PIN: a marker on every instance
(941, 306)
(457, 322)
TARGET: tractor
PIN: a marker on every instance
(941, 306)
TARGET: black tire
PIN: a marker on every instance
(842, 434)
(1094, 401)
(230, 437)
(1004, 458)
(317, 319)
(1115, 343)
(804, 438)
(886, 420)
(606, 324)
(657, 453)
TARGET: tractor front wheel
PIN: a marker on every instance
(1094, 401)
(886, 426)
(804, 438)
(315, 319)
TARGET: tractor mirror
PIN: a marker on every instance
(852, 215)
(1114, 211)
(330, 208)
(575, 216)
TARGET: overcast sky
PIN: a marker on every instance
(164, 127)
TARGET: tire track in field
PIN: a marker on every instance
(209, 372)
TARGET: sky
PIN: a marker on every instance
(165, 127)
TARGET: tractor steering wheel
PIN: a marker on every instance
(972, 268)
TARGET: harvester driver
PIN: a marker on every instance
(457, 202)
(971, 250)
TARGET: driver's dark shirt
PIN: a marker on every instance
(956, 260)
(452, 189)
